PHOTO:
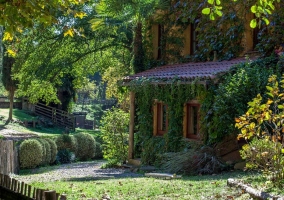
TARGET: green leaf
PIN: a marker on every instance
(253, 23)
(265, 20)
(206, 11)
(219, 13)
(280, 106)
(211, 16)
(253, 9)
(210, 1)
(218, 2)
(269, 88)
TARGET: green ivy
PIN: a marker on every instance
(174, 94)
(229, 99)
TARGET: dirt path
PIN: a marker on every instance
(75, 171)
(11, 134)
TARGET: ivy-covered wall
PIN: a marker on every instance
(230, 35)
(220, 102)
(174, 95)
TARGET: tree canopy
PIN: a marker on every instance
(20, 14)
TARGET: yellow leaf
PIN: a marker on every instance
(69, 32)
(80, 14)
(11, 52)
(7, 36)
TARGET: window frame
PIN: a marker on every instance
(187, 118)
(158, 116)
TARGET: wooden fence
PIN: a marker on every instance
(58, 116)
(8, 157)
(12, 189)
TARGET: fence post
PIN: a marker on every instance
(49, 195)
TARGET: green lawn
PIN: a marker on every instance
(189, 187)
(39, 130)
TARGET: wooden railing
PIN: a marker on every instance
(12, 189)
(58, 116)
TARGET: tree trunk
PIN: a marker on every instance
(11, 98)
(256, 194)
(138, 52)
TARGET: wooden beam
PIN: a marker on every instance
(131, 126)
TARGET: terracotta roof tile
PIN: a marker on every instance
(187, 71)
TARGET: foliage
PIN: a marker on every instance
(65, 156)
(86, 146)
(98, 151)
(46, 156)
(9, 83)
(114, 130)
(30, 153)
(175, 95)
(86, 92)
(193, 161)
(265, 121)
(53, 150)
(229, 99)
(261, 9)
(265, 155)
(25, 14)
(65, 141)
(46, 60)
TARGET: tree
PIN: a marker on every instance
(45, 58)
(9, 83)
(133, 13)
(87, 91)
(16, 15)
(261, 9)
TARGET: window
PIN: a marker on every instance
(191, 120)
(160, 120)
(193, 38)
(255, 37)
(160, 41)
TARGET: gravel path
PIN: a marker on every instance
(75, 171)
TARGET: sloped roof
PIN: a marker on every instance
(187, 71)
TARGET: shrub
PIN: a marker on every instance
(30, 153)
(264, 120)
(53, 150)
(229, 100)
(261, 154)
(46, 151)
(65, 141)
(99, 151)
(65, 156)
(86, 146)
(114, 131)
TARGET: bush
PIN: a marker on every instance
(261, 153)
(230, 99)
(114, 131)
(86, 146)
(65, 156)
(99, 151)
(46, 151)
(66, 141)
(30, 153)
(53, 150)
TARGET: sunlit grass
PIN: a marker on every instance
(190, 187)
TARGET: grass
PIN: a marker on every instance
(39, 130)
(189, 187)
(193, 187)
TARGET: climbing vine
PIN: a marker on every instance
(175, 94)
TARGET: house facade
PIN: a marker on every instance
(166, 101)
